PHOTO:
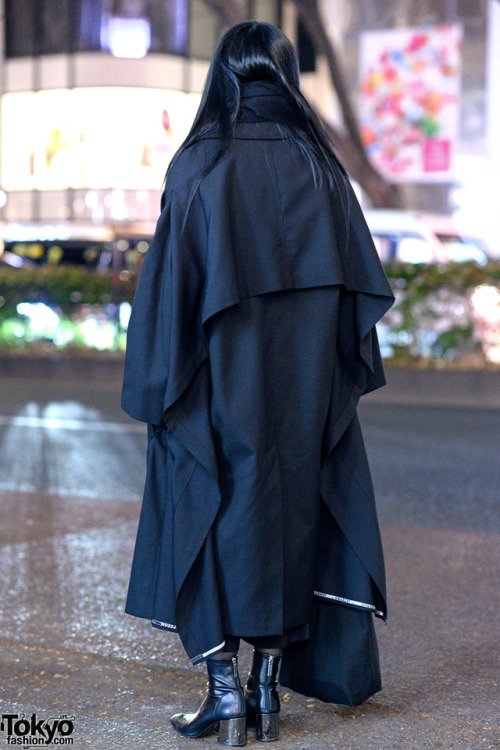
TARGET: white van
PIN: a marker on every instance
(414, 237)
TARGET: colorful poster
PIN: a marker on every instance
(410, 97)
(92, 137)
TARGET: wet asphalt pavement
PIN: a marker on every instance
(71, 475)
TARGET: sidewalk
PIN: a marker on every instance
(68, 648)
(69, 500)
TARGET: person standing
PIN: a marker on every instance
(251, 339)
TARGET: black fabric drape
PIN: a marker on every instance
(260, 240)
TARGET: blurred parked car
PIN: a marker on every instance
(97, 248)
(413, 237)
(11, 260)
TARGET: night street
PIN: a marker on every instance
(71, 475)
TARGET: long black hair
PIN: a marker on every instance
(255, 51)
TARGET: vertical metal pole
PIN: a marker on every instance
(187, 77)
(493, 108)
(279, 14)
(38, 48)
(71, 33)
(451, 11)
(2, 80)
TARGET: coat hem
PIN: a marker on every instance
(163, 625)
(202, 657)
(351, 603)
(173, 628)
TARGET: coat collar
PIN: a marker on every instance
(264, 107)
(261, 131)
(264, 101)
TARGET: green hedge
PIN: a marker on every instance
(62, 287)
(423, 278)
(85, 303)
(436, 315)
(56, 284)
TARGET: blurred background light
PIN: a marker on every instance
(91, 199)
(41, 316)
(100, 335)
(126, 37)
(17, 232)
(486, 302)
(125, 310)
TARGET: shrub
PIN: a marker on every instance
(442, 312)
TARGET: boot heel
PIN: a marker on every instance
(233, 732)
(267, 727)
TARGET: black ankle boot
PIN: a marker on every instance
(222, 709)
(261, 696)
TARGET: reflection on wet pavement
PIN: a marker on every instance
(67, 448)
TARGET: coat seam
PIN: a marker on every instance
(274, 177)
(176, 502)
(352, 472)
(198, 357)
(207, 223)
(368, 494)
(277, 443)
(170, 424)
(159, 538)
(348, 221)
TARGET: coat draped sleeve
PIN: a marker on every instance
(166, 385)
(165, 341)
(247, 236)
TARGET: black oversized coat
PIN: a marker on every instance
(251, 339)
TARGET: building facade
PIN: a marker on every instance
(97, 94)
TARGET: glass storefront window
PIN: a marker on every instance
(126, 28)
(40, 27)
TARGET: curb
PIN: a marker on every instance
(411, 386)
(456, 388)
(88, 370)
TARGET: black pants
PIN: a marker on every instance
(296, 633)
(265, 641)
